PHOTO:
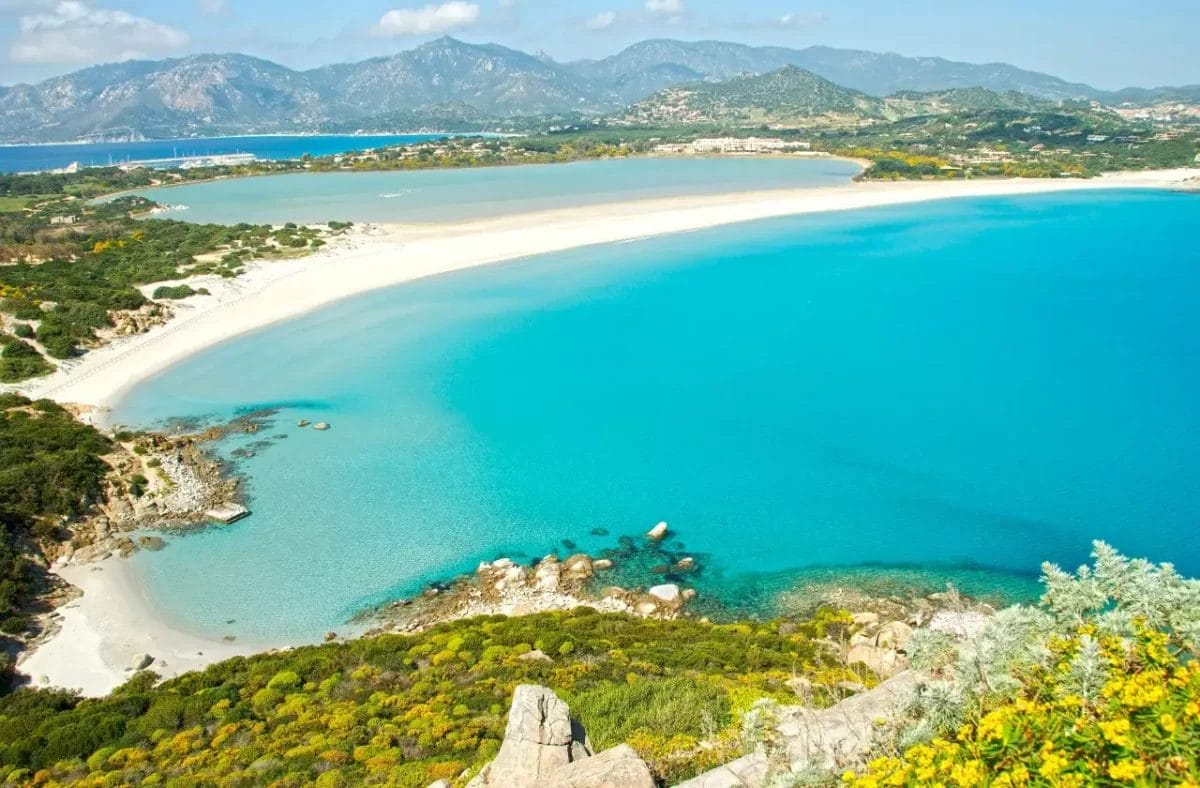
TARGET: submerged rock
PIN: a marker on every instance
(657, 532)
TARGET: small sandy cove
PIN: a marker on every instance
(101, 633)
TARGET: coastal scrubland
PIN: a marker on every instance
(73, 269)
(1095, 685)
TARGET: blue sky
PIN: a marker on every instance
(1109, 43)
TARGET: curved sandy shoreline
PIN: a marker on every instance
(101, 633)
(381, 255)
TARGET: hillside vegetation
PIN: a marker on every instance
(408, 710)
(787, 96)
(71, 268)
(51, 469)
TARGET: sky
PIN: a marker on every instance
(1107, 43)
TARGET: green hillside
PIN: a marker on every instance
(789, 95)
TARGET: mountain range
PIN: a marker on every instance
(448, 83)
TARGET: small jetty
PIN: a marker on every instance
(227, 513)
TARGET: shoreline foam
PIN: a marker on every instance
(113, 621)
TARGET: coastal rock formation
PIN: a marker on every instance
(881, 648)
(619, 767)
(836, 738)
(539, 739)
(668, 593)
(544, 748)
(505, 587)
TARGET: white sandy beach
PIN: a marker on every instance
(113, 622)
(102, 632)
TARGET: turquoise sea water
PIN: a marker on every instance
(448, 195)
(32, 158)
(966, 387)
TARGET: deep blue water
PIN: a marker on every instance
(33, 158)
(964, 388)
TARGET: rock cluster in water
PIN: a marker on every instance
(505, 587)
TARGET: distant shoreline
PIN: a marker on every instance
(282, 135)
(378, 256)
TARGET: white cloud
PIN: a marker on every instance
(73, 32)
(802, 20)
(212, 7)
(665, 7)
(428, 19)
(601, 21)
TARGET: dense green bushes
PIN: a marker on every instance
(50, 469)
(20, 360)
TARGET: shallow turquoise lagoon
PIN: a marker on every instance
(959, 389)
(449, 195)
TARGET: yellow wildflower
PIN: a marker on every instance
(1126, 770)
(968, 774)
(1117, 732)
(1167, 722)
(1052, 762)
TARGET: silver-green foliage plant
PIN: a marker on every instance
(1117, 591)
(1112, 594)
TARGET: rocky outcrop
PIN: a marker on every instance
(881, 648)
(835, 738)
(839, 737)
(539, 739)
(505, 587)
(619, 767)
(544, 748)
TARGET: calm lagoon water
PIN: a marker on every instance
(960, 389)
(32, 158)
(449, 195)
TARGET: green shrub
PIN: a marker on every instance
(20, 360)
(174, 293)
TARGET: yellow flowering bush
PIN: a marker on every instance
(1139, 724)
